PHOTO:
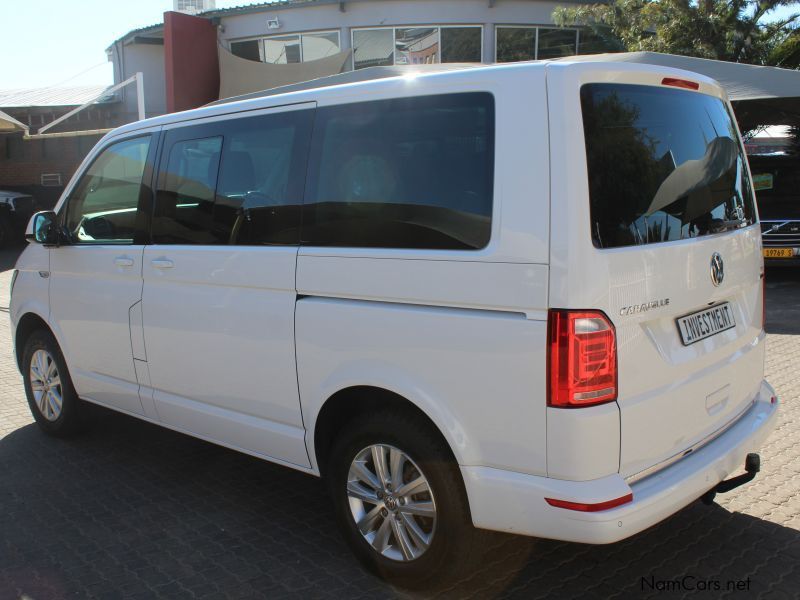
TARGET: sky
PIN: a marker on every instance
(61, 43)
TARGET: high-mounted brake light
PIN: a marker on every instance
(582, 359)
(680, 83)
(584, 507)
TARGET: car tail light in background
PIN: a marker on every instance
(680, 83)
(582, 359)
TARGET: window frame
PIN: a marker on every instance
(394, 28)
(213, 127)
(536, 41)
(262, 38)
(314, 161)
(141, 234)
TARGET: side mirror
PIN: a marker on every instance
(43, 229)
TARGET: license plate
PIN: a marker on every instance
(778, 253)
(705, 323)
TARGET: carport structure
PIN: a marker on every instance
(760, 95)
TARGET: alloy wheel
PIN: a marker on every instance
(46, 384)
(391, 502)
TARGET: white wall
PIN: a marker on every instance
(371, 13)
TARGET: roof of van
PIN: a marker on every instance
(248, 101)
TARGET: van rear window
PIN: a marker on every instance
(664, 164)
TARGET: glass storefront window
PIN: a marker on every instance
(461, 44)
(416, 46)
(515, 44)
(373, 48)
(282, 50)
(320, 45)
(288, 49)
(555, 43)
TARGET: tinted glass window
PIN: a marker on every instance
(417, 46)
(664, 164)
(250, 49)
(516, 43)
(776, 180)
(241, 185)
(102, 207)
(406, 173)
(373, 48)
(461, 44)
(554, 43)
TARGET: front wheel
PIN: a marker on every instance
(400, 501)
(51, 397)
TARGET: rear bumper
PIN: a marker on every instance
(514, 502)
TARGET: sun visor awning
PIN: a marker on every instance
(239, 76)
(9, 124)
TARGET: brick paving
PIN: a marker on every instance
(130, 510)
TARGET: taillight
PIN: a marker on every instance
(582, 359)
(680, 83)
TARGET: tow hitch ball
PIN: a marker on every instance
(752, 465)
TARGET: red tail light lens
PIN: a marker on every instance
(582, 359)
(680, 83)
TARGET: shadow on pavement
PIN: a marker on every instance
(131, 509)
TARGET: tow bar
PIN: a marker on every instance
(752, 465)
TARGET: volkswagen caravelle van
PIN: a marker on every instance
(523, 298)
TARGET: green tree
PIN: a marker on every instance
(732, 30)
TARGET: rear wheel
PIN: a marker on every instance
(400, 501)
(51, 397)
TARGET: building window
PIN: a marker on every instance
(249, 49)
(289, 49)
(517, 43)
(462, 44)
(51, 179)
(373, 48)
(382, 47)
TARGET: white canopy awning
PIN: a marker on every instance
(9, 124)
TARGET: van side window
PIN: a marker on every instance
(402, 173)
(241, 183)
(102, 207)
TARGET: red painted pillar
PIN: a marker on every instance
(191, 63)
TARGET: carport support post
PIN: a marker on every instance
(140, 94)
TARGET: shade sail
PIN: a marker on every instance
(239, 76)
(9, 124)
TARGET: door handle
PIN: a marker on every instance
(162, 263)
(123, 261)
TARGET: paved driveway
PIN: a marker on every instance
(132, 510)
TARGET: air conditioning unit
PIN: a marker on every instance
(273, 23)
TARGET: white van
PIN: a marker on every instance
(523, 298)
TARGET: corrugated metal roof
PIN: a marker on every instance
(276, 4)
(65, 96)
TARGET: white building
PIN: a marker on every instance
(192, 7)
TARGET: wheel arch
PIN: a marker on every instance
(27, 324)
(349, 403)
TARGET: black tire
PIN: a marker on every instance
(454, 547)
(71, 418)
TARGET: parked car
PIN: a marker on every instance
(776, 178)
(16, 210)
(525, 298)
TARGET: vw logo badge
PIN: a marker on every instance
(717, 269)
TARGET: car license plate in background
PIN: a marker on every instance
(705, 323)
(778, 253)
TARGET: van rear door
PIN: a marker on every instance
(653, 222)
